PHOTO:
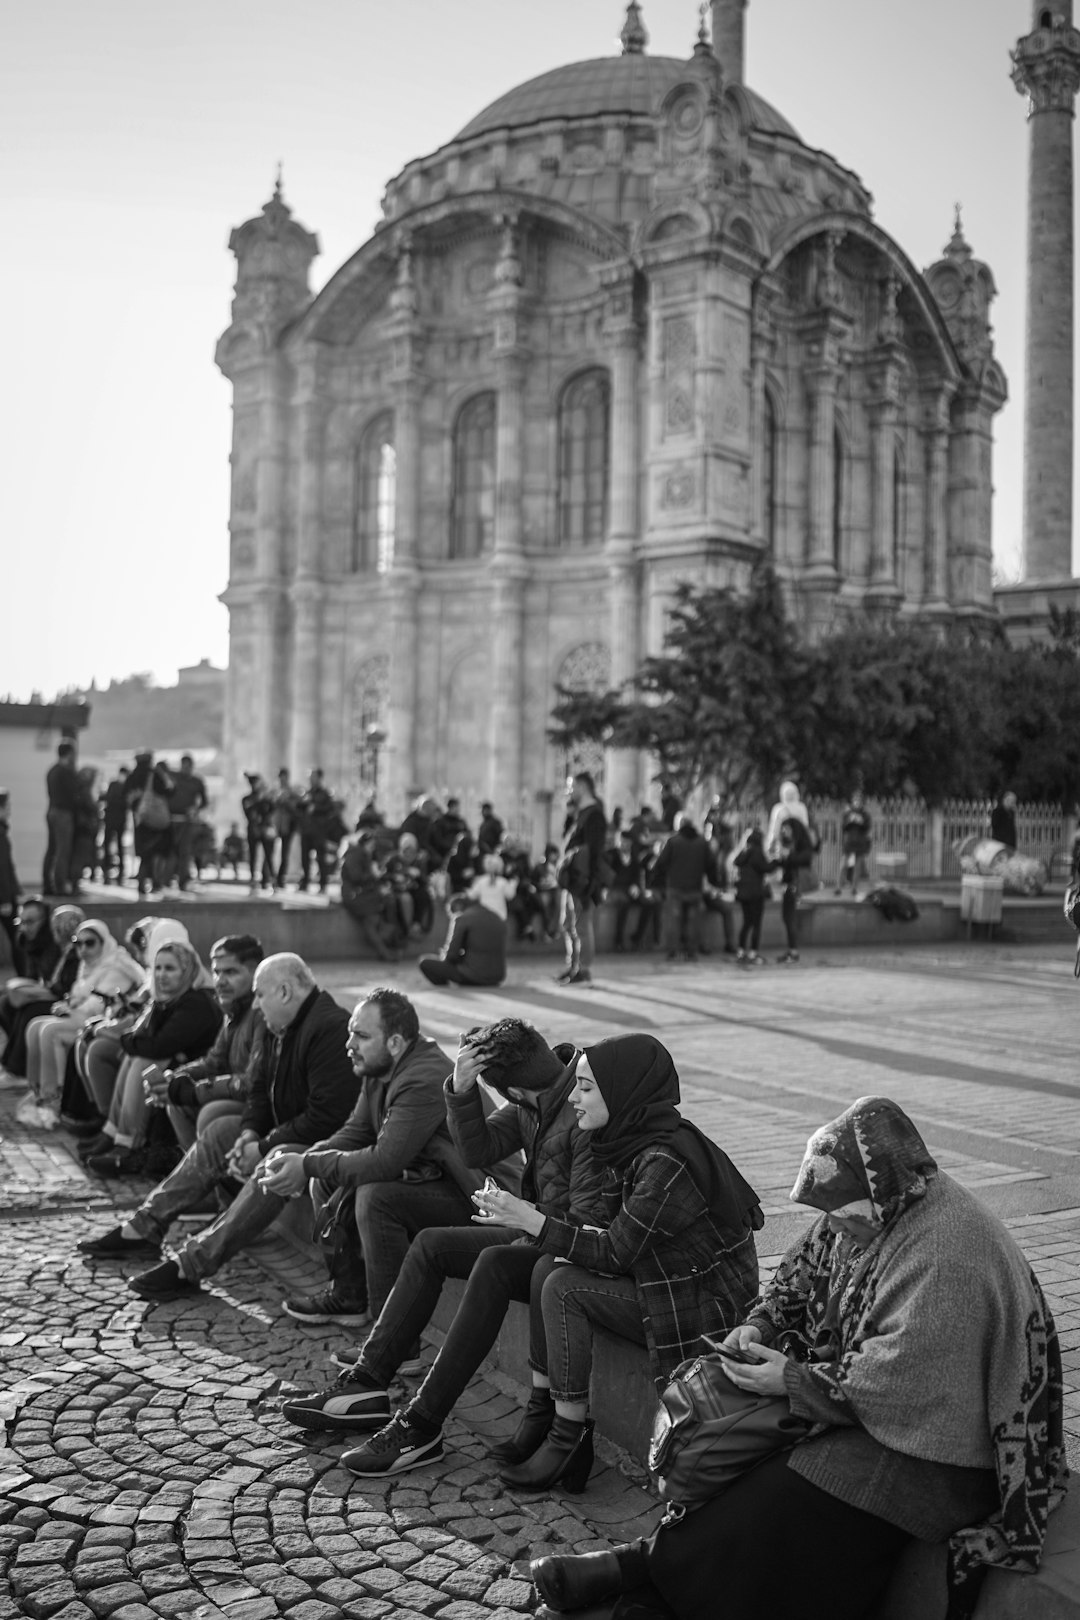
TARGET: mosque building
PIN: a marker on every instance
(624, 329)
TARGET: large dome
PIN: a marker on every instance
(633, 83)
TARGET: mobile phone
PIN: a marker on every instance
(733, 1353)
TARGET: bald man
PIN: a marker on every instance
(304, 1091)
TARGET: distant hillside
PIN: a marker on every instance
(133, 713)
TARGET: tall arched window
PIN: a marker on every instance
(838, 499)
(472, 526)
(769, 476)
(376, 497)
(584, 439)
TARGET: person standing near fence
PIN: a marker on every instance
(855, 832)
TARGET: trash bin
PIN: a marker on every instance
(891, 867)
(981, 900)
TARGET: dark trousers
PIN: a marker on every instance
(10, 927)
(284, 851)
(312, 844)
(646, 910)
(758, 1543)
(498, 1269)
(56, 872)
(255, 844)
(436, 971)
(389, 1215)
(113, 840)
(789, 910)
(682, 920)
(750, 932)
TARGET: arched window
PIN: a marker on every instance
(472, 525)
(769, 476)
(838, 499)
(376, 496)
(1046, 19)
(584, 437)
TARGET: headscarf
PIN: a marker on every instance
(61, 916)
(159, 931)
(193, 976)
(109, 948)
(869, 1162)
(640, 1085)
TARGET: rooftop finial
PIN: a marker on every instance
(278, 182)
(958, 247)
(704, 44)
(634, 35)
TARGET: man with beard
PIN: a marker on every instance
(390, 1172)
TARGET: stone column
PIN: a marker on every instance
(510, 571)
(822, 381)
(624, 528)
(762, 345)
(307, 589)
(1046, 67)
(404, 582)
(935, 438)
(884, 592)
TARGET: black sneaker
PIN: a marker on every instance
(394, 1450)
(166, 1281)
(113, 1245)
(411, 1367)
(582, 976)
(326, 1307)
(353, 1401)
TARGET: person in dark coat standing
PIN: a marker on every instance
(683, 867)
(61, 787)
(579, 878)
(116, 808)
(9, 886)
(1003, 821)
(475, 949)
(148, 789)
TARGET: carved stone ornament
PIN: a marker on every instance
(679, 344)
(586, 668)
(680, 412)
(678, 490)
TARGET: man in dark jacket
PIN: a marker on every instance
(116, 810)
(388, 1172)
(475, 949)
(61, 781)
(560, 1177)
(303, 1090)
(683, 867)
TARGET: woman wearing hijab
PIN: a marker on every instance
(789, 807)
(179, 1024)
(105, 969)
(908, 1331)
(675, 1259)
(26, 999)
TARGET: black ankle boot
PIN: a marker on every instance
(566, 1583)
(566, 1458)
(532, 1430)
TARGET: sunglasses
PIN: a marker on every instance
(90, 944)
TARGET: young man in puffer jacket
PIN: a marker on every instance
(560, 1177)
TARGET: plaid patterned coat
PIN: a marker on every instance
(690, 1278)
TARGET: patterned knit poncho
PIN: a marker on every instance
(934, 1335)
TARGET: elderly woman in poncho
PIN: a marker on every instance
(909, 1332)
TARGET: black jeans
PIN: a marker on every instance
(750, 932)
(313, 844)
(499, 1269)
(789, 910)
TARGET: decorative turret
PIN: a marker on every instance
(964, 289)
(634, 36)
(1046, 68)
(273, 258)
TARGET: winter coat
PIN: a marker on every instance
(397, 1129)
(560, 1177)
(476, 945)
(183, 1028)
(686, 862)
(305, 1086)
(690, 1279)
(752, 867)
(582, 852)
(228, 1069)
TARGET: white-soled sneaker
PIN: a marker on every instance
(351, 1402)
(394, 1450)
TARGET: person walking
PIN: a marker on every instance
(61, 787)
(580, 878)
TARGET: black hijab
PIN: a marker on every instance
(640, 1085)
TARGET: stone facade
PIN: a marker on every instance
(625, 329)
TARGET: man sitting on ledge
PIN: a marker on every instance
(475, 949)
(303, 1090)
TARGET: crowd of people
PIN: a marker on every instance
(564, 1177)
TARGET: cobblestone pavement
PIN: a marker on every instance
(146, 1471)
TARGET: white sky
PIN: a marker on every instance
(134, 134)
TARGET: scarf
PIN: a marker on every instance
(869, 1162)
(193, 974)
(639, 1083)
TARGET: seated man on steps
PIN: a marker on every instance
(389, 1171)
(560, 1176)
(213, 1091)
(303, 1089)
(475, 949)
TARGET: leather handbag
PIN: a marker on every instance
(707, 1432)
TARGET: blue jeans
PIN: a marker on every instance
(573, 1301)
(200, 1170)
(499, 1269)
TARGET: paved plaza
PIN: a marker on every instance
(146, 1471)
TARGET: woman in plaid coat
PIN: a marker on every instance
(675, 1260)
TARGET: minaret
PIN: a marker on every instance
(729, 38)
(1046, 68)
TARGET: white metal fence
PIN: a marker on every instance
(927, 838)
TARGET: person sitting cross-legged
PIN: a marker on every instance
(475, 949)
(388, 1172)
(303, 1089)
(513, 1059)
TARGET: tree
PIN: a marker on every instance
(725, 702)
